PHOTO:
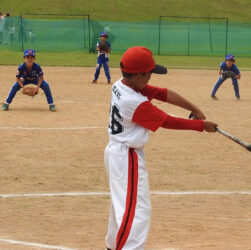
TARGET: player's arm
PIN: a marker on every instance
(19, 79)
(97, 47)
(40, 81)
(20, 82)
(221, 68)
(178, 100)
(153, 92)
(238, 73)
(151, 117)
(40, 78)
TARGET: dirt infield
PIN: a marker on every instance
(45, 152)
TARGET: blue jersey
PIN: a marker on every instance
(233, 68)
(29, 76)
(103, 53)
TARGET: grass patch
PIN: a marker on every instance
(80, 59)
(130, 10)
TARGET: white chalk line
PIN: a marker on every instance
(86, 103)
(232, 219)
(51, 128)
(166, 193)
(17, 242)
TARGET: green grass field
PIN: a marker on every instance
(118, 10)
(130, 10)
(80, 59)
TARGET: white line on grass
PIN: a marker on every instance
(166, 193)
(44, 128)
(17, 242)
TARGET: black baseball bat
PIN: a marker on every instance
(231, 137)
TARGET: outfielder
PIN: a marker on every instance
(104, 50)
(30, 73)
(132, 116)
(228, 70)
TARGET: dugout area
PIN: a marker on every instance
(51, 153)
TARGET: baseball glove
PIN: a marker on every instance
(228, 74)
(103, 46)
(30, 91)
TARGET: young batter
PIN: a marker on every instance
(132, 116)
(30, 73)
(103, 57)
(228, 65)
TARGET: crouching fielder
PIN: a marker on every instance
(29, 73)
(228, 69)
(132, 115)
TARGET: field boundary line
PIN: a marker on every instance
(18, 242)
(51, 128)
(86, 103)
(103, 193)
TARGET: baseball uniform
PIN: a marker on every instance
(223, 67)
(30, 77)
(132, 116)
(103, 59)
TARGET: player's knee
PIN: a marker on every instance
(16, 86)
(45, 84)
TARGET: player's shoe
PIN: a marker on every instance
(5, 107)
(52, 107)
(214, 97)
(109, 81)
(94, 81)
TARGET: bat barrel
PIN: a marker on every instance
(242, 143)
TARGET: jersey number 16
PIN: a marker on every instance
(116, 119)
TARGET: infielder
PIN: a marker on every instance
(104, 50)
(228, 70)
(30, 73)
(132, 116)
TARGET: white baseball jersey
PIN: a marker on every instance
(124, 102)
(132, 115)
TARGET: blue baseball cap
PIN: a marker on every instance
(29, 52)
(230, 57)
(103, 34)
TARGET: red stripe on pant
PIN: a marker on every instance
(131, 199)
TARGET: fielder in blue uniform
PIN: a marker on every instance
(103, 58)
(30, 73)
(228, 65)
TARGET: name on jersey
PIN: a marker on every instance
(116, 92)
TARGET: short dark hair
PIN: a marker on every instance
(129, 74)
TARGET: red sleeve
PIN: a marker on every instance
(179, 123)
(149, 116)
(153, 92)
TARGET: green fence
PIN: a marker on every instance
(166, 36)
(193, 35)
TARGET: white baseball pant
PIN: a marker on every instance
(130, 211)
